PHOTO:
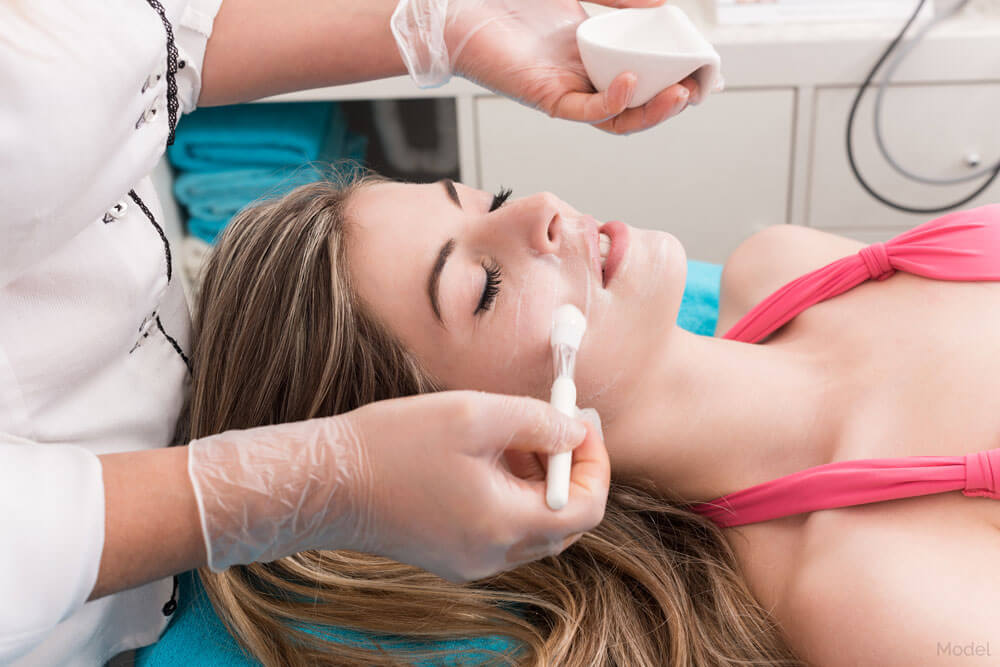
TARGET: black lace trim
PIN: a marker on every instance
(171, 605)
(172, 67)
(166, 252)
(173, 342)
(159, 230)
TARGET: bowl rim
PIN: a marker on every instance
(706, 50)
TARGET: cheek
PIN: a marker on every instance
(623, 339)
(511, 352)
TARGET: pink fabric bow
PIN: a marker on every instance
(847, 483)
(982, 474)
(964, 245)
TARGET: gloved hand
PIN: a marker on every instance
(526, 50)
(429, 480)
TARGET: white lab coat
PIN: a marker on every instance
(92, 328)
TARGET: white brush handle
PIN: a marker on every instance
(563, 399)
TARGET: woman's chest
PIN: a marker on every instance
(921, 362)
(901, 576)
(918, 363)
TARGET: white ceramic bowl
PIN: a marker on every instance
(661, 45)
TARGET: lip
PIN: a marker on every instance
(592, 239)
(618, 233)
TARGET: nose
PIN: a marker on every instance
(540, 221)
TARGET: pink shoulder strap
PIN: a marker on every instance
(846, 483)
(964, 245)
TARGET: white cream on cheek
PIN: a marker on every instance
(533, 297)
(544, 281)
(537, 286)
(641, 277)
(659, 256)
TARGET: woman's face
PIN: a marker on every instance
(471, 291)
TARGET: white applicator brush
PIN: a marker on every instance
(568, 325)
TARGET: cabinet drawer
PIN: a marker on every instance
(711, 176)
(929, 129)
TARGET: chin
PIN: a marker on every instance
(663, 273)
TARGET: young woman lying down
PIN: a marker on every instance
(816, 483)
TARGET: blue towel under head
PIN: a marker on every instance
(196, 636)
(263, 134)
(213, 198)
(699, 310)
(217, 196)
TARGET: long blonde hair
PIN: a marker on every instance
(281, 336)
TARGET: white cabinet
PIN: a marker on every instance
(933, 130)
(711, 176)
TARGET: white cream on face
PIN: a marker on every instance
(543, 281)
(553, 279)
(396, 231)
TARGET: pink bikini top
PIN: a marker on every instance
(959, 246)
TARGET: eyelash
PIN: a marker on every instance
(494, 276)
(493, 279)
(500, 197)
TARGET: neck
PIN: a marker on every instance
(712, 416)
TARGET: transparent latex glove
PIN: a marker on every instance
(432, 480)
(526, 50)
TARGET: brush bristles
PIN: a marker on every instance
(568, 326)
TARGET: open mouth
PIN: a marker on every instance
(612, 245)
(603, 247)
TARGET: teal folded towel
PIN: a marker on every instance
(217, 196)
(213, 198)
(263, 134)
(699, 310)
(206, 230)
(196, 636)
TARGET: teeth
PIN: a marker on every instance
(604, 245)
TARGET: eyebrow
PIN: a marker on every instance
(435, 278)
(449, 186)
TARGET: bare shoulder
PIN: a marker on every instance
(896, 596)
(771, 258)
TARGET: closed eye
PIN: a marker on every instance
(502, 195)
(494, 276)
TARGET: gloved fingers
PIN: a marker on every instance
(590, 477)
(532, 466)
(695, 94)
(591, 416)
(534, 547)
(530, 425)
(526, 465)
(590, 474)
(666, 104)
(596, 107)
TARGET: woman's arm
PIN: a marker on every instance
(151, 524)
(336, 483)
(265, 47)
(525, 51)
